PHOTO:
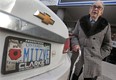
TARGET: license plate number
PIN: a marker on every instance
(23, 54)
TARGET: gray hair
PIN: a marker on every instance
(101, 2)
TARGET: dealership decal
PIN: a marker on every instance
(23, 54)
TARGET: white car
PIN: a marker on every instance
(32, 41)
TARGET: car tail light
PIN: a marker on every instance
(66, 45)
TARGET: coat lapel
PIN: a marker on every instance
(89, 30)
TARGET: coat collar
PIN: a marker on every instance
(99, 25)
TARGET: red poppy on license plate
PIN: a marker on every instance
(23, 54)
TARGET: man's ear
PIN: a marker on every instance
(90, 10)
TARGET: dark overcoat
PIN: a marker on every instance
(95, 43)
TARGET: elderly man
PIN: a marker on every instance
(92, 35)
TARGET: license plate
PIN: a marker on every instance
(23, 54)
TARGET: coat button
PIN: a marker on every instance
(91, 56)
(93, 47)
(93, 38)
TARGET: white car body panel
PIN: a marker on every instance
(24, 9)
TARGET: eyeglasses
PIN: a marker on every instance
(98, 7)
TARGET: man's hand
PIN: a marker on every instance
(75, 48)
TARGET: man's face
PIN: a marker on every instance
(96, 10)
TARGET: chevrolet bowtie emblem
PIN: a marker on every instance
(44, 17)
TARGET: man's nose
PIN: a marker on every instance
(96, 8)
